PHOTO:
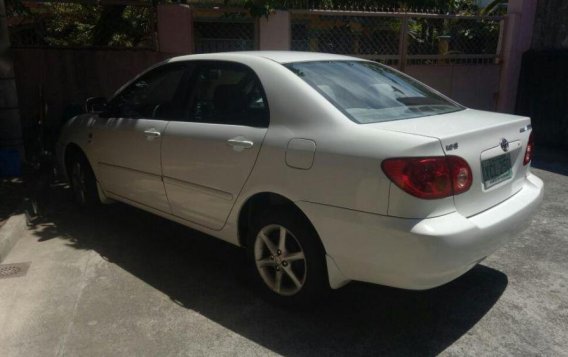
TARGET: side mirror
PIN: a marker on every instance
(95, 105)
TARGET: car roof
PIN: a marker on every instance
(277, 56)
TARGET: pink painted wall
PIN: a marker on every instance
(274, 32)
(517, 40)
(175, 28)
(475, 86)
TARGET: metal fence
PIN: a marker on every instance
(220, 31)
(399, 38)
(83, 24)
(391, 37)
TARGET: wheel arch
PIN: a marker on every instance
(71, 149)
(257, 202)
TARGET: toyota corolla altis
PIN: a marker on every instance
(326, 168)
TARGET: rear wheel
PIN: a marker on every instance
(83, 181)
(288, 259)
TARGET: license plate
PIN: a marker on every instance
(496, 169)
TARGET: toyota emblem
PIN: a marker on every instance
(504, 144)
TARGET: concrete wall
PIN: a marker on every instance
(475, 86)
(67, 77)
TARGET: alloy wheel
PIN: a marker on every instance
(280, 260)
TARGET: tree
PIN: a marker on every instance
(85, 24)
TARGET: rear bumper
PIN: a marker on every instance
(417, 253)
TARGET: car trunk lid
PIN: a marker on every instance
(493, 144)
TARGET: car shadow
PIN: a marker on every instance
(208, 276)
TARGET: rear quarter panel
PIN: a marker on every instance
(346, 170)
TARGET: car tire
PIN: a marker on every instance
(82, 181)
(290, 272)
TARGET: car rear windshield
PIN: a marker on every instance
(369, 93)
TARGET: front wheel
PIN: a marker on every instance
(83, 182)
(288, 259)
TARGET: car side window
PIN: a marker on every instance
(228, 93)
(152, 96)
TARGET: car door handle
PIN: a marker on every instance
(240, 143)
(152, 133)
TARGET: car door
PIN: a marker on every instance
(127, 138)
(207, 158)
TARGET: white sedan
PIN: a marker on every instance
(326, 168)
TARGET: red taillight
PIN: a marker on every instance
(529, 152)
(429, 177)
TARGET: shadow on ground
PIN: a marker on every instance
(207, 275)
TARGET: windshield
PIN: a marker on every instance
(369, 93)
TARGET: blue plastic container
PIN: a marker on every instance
(10, 165)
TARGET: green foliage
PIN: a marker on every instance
(256, 8)
(123, 26)
(15, 7)
(69, 24)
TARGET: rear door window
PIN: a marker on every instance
(227, 93)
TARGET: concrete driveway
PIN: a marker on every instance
(120, 281)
